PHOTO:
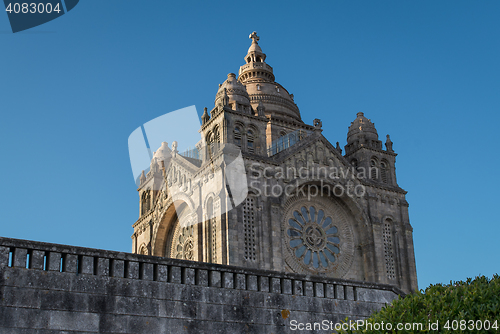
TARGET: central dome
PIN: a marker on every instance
(258, 79)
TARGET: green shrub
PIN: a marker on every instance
(472, 306)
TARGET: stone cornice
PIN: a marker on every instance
(290, 122)
(250, 116)
(371, 149)
(275, 99)
(143, 218)
(390, 188)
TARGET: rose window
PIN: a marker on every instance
(314, 239)
(185, 245)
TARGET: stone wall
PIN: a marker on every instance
(47, 288)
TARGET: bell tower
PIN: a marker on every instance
(365, 152)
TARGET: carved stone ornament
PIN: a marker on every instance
(317, 123)
(184, 244)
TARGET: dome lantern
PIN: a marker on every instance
(255, 53)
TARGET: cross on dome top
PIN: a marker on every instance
(254, 37)
(255, 53)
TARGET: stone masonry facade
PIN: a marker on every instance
(311, 208)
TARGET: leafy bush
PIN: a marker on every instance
(472, 306)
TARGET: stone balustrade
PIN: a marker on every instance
(49, 288)
(256, 65)
(86, 261)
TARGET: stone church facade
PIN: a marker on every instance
(309, 207)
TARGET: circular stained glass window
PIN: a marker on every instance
(314, 238)
(319, 236)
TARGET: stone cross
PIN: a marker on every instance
(254, 37)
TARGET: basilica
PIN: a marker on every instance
(265, 190)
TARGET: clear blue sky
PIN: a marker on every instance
(426, 72)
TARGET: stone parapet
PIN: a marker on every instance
(57, 288)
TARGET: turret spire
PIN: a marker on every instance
(205, 118)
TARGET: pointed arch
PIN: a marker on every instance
(146, 201)
(374, 169)
(178, 214)
(384, 171)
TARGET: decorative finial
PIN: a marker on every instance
(254, 37)
(317, 123)
(205, 118)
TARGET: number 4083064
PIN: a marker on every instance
(32, 8)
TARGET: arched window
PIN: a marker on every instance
(237, 136)
(216, 135)
(384, 171)
(250, 141)
(249, 228)
(211, 229)
(143, 250)
(373, 169)
(145, 202)
(282, 143)
(213, 140)
(209, 140)
(388, 250)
